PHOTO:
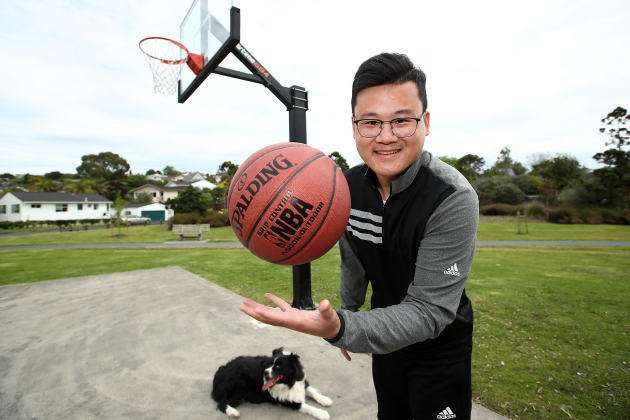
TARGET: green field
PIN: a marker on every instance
(505, 228)
(551, 328)
(151, 233)
(490, 228)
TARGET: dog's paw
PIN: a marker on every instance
(318, 413)
(324, 400)
(232, 412)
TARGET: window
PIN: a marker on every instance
(3, 209)
(127, 213)
(36, 206)
(95, 206)
(79, 206)
(154, 195)
(15, 208)
(61, 207)
(108, 207)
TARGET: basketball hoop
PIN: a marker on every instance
(165, 57)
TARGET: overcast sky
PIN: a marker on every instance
(536, 76)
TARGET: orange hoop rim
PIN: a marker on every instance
(163, 60)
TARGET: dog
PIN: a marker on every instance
(278, 379)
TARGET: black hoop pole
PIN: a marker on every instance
(294, 98)
(302, 298)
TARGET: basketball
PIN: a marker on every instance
(288, 203)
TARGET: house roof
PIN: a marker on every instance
(147, 185)
(136, 205)
(157, 187)
(59, 197)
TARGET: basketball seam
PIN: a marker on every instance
(280, 146)
(324, 216)
(279, 190)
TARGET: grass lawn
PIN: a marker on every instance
(551, 328)
(150, 233)
(490, 228)
(505, 228)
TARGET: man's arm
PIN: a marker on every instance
(433, 297)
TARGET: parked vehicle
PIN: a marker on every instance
(135, 220)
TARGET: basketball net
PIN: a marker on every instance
(165, 57)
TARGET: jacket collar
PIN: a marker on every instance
(406, 178)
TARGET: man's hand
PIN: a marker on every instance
(323, 322)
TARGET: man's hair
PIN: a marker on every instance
(385, 69)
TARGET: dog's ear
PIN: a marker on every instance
(277, 351)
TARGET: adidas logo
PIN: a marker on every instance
(447, 413)
(452, 270)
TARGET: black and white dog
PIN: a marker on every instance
(278, 379)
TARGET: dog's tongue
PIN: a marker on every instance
(271, 382)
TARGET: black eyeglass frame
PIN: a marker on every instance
(356, 123)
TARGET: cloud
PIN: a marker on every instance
(535, 76)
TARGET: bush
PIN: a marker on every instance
(184, 219)
(537, 211)
(217, 218)
(591, 216)
(213, 218)
(613, 217)
(499, 210)
(509, 193)
(564, 215)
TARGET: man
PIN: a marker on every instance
(411, 234)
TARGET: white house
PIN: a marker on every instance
(157, 212)
(28, 206)
(158, 194)
(157, 177)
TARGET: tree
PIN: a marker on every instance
(558, 173)
(615, 176)
(7, 175)
(191, 200)
(84, 186)
(41, 184)
(119, 205)
(226, 171)
(471, 166)
(151, 172)
(135, 181)
(505, 165)
(339, 160)
(170, 171)
(105, 165)
(54, 175)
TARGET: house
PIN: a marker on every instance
(194, 179)
(201, 184)
(158, 194)
(30, 206)
(157, 177)
(157, 212)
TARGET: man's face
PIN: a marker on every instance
(387, 155)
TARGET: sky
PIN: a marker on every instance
(535, 76)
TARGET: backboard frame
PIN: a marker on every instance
(227, 47)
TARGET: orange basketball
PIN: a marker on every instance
(289, 203)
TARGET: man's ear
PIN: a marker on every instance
(427, 123)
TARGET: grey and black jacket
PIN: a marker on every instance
(416, 250)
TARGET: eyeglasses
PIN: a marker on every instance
(401, 127)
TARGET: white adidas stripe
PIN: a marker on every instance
(366, 215)
(365, 236)
(366, 226)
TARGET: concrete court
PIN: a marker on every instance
(143, 345)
